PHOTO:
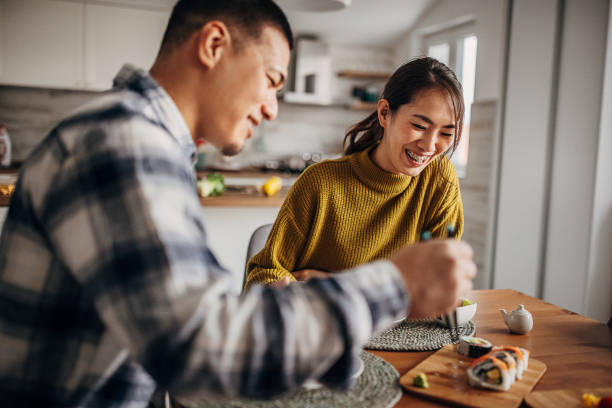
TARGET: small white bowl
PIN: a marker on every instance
(460, 317)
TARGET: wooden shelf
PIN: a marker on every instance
(363, 106)
(347, 73)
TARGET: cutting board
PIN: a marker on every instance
(571, 397)
(446, 372)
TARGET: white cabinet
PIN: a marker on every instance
(160, 4)
(228, 232)
(115, 35)
(41, 43)
(77, 44)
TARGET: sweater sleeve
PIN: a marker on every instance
(446, 208)
(288, 236)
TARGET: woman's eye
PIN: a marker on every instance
(418, 126)
(447, 134)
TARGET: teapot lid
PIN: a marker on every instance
(520, 310)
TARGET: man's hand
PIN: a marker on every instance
(437, 274)
(305, 274)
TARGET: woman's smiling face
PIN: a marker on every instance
(416, 133)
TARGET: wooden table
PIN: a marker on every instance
(577, 350)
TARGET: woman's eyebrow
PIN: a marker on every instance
(426, 119)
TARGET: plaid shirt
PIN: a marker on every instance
(108, 287)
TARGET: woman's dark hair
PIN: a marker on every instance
(406, 82)
(244, 18)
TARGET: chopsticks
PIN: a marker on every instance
(451, 232)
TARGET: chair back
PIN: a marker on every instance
(256, 244)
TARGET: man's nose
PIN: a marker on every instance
(270, 108)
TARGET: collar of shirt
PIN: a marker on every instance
(162, 108)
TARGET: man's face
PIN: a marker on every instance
(246, 84)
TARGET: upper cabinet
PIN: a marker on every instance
(77, 44)
(115, 35)
(41, 43)
(141, 4)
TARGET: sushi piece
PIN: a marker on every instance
(489, 372)
(473, 346)
(525, 356)
(507, 358)
(520, 355)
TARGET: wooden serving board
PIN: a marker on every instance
(571, 397)
(446, 372)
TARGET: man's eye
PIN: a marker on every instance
(418, 126)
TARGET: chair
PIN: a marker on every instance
(256, 243)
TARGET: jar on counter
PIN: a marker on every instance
(5, 147)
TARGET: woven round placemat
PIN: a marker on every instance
(419, 335)
(377, 387)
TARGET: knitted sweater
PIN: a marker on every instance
(345, 212)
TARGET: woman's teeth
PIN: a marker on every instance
(417, 158)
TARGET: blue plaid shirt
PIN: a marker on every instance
(108, 288)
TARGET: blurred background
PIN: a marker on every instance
(534, 164)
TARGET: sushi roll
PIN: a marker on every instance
(525, 356)
(507, 358)
(489, 372)
(473, 346)
(519, 356)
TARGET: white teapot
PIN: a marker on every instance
(519, 320)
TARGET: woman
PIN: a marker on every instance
(393, 183)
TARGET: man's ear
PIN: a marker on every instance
(214, 40)
(384, 112)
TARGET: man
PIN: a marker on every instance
(107, 285)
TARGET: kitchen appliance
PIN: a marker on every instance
(311, 82)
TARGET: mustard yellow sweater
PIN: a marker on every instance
(345, 212)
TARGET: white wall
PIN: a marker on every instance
(524, 149)
(554, 222)
(574, 154)
(599, 277)
(489, 17)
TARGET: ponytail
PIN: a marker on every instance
(363, 134)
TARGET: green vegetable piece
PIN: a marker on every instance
(466, 302)
(215, 184)
(420, 381)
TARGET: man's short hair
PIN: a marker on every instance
(244, 18)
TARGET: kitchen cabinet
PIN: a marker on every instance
(228, 232)
(115, 35)
(141, 4)
(77, 44)
(41, 43)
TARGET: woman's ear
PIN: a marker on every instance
(384, 112)
(214, 40)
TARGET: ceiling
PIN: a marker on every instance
(364, 23)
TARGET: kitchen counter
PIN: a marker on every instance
(243, 189)
(250, 197)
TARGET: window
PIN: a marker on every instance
(456, 47)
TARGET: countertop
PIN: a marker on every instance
(243, 189)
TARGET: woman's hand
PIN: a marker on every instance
(305, 274)
(281, 283)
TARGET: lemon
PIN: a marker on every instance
(272, 186)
